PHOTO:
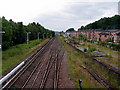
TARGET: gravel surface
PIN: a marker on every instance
(64, 80)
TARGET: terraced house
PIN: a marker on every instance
(98, 34)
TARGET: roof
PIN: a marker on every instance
(99, 30)
(104, 34)
(113, 30)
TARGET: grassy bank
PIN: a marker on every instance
(16, 53)
(76, 72)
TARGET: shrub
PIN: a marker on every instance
(91, 48)
(83, 44)
(109, 56)
(93, 55)
(85, 50)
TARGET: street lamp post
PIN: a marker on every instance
(28, 37)
(38, 35)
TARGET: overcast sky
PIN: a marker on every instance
(58, 15)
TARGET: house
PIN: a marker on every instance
(103, 36)
(117, 38)
(98, 34)
(62, 33)
(74, 34)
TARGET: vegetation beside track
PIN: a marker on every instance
(17, 53)
(114, 55)
(108, 51)
(76, 72)
(83, 58)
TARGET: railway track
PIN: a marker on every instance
(108, 67)
(99, 77)
(40, 69)
(51, 75)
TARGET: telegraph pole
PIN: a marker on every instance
(43, 35)
(28, 37)
(38, 35)
(47, 35)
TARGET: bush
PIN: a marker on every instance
(114, 46)
(109, 56)
(91, 48)
(83, 44)
(93, 55)
(88, 40)
(85, 50)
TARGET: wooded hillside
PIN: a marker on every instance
(104, 23)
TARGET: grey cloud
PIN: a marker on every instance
(77, 14)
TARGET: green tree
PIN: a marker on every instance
(15, 33)
(105, 23)
(70, 30)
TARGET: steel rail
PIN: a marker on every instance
(38, 73)
(59, 68)
(32, 73)
(26, 67)
(98, 77)
(55, 74)
(18, 73)
(45, 73)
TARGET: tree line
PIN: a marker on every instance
(104, 23)
(16, 32)
(70, 30)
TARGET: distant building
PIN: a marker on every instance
(98, 34)
(119, 7)
(62, 33)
